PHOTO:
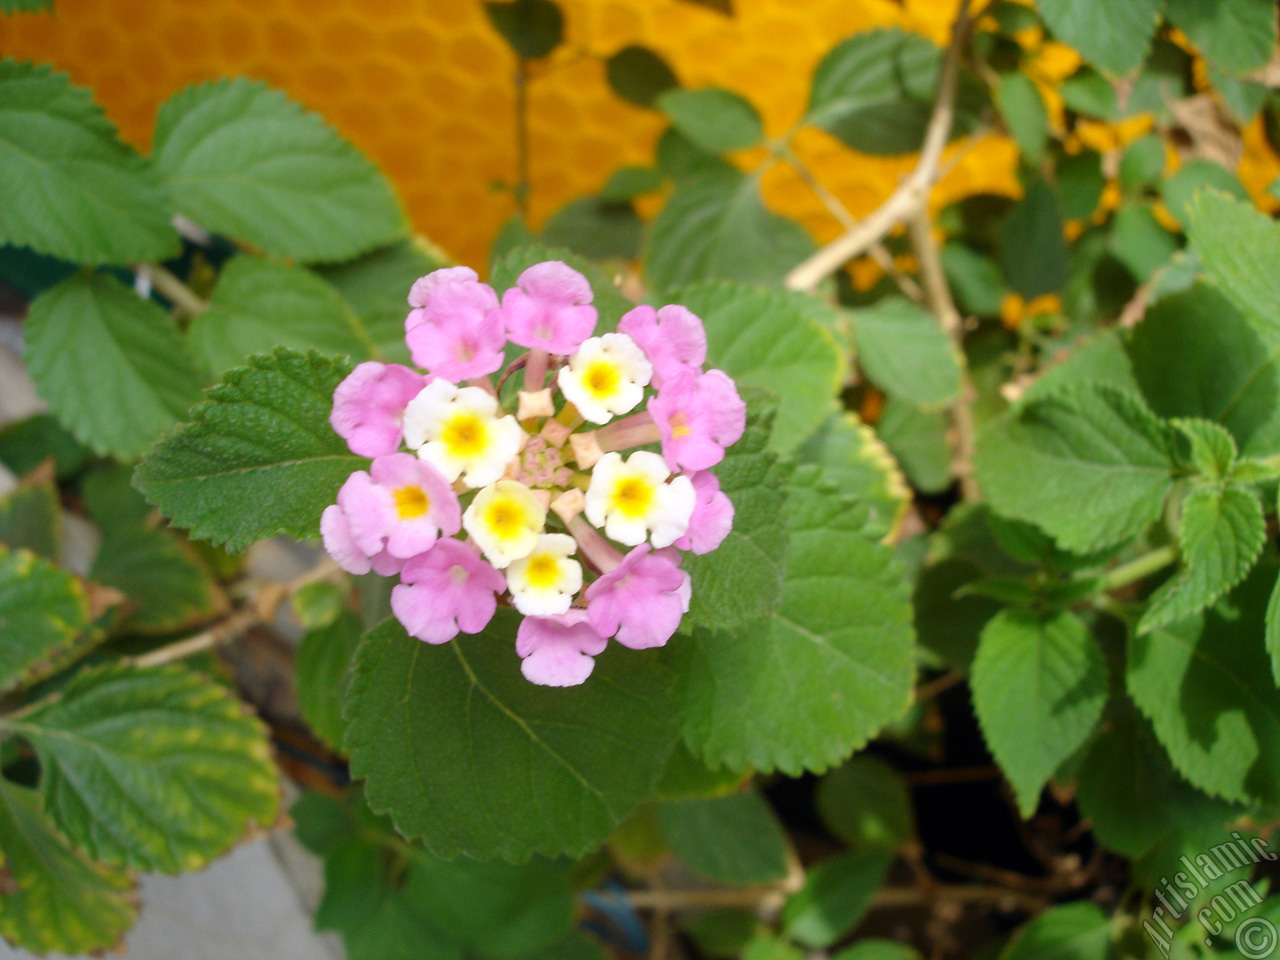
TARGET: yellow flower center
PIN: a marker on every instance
(602, 378)
(411, 502)
(633, 497)
(506, 518)
(543, 571)
(465, 435)
(680, 426)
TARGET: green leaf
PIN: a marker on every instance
(1142, 163)
(159, 768)
(774, 340)
(741, 580)
(25, 6)
(1180, 190)
(376, 286)
(1090, 93)
(628, 183)
(875, 92)
(1081, 181)
(243, 159)
(716, 225)
(835, 895)
(111, 366)
(1212, 449)
(713, 119)
(26, 443)
(324, 667)
(1073, 931)
(1033, 252)
(113, 502)
(533, 28)
(71, 187)
(1205, 685)
(1090, 466)
(1271, 633)
(532, 769)
(43, 610)
(764, 946)
(685, 777)
(855, 461)
(678, 158)
(259, 305)
(734, 839)
(919, 441)
(169, 587)
(1140, 242)
(904, 351)
(259, 457)
(974, 278)
(1111, 34)
(55, 898)
(866, 803)
(29, 519)
(878, 950)
(638, 75)
(499, 910)
(1221, 537)
(594, 228)
(1239, 247)
(1024, 114)
(1039, 685)
(1195, 355)
(1237, 35)
(810, 685)
(608, 300)
(722, 933)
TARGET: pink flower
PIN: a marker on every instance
(641, 601)
(369, 404)
(671, 337)
(335, 528)
(557, 651)
(446, 591)
(456, 330)
(698, 415)
(548, 309)
(712, 515)
(402, 506)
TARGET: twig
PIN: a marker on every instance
(912, 193)
(701, 899)
(522, 137)
(927, 691)
(938, 296)
(1144, 566)
(174, 289)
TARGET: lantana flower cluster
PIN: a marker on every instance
(575, 507)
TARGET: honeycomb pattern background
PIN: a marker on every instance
(425, 88)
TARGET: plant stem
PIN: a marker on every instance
(1144, 566)
(912, 193)
(175, 290)
(522, 138)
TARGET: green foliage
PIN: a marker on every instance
(1024, 114)
(1236, 35)
(809, 685)
(1221, 537)
(56, 898)
(158, 768)
(716, 225)
(1072, 931)
(533, 28)
(259, 305)
(43, 612)
(741, 581)
(25, 6)
(298, 190)
(714, 120)
(1115, 35)
(71, 188)
(734, 839)
(168, 586)
(904, 351)
(866, 804)
(1238, 247)
(532, 769)
(217, 477)
(1206, 687)
(1180, 189)
(595, 228)
(1039, 685)
(111, 366)
(835, 895)
(324, 666)
(29, 519)
(25, 444)
(875, 92)
(1090, 466)
(1033, 253)
(918, 439)
(778, 341)
(639, 75)
(853, 459)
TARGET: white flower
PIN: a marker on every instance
(544, 583)
(458, 431)
(607, 376)
(632, 499)
(505, 520)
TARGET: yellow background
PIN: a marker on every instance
(425, 88)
